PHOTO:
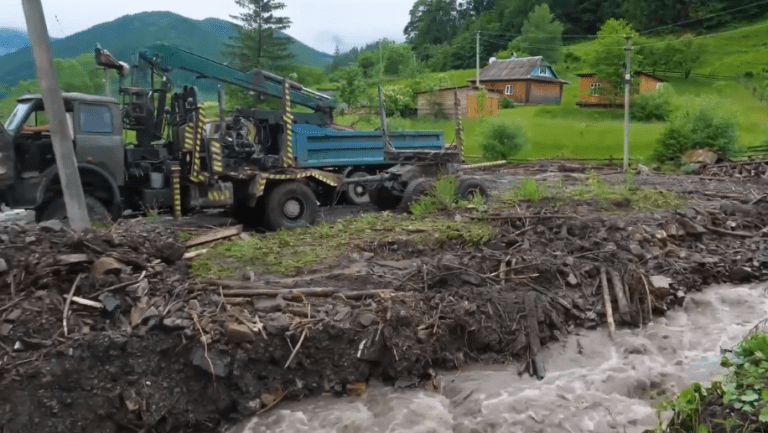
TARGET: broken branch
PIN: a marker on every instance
(69, 300)
(607, 301)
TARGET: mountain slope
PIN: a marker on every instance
(123, 36)
(12, 40)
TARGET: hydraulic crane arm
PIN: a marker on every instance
(166, 58)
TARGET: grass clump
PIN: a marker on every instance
(286, 252)
(593, 188)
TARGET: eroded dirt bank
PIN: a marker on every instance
(158, 351)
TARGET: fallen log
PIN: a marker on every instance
(728, 232)
(607, 302)
(309, 291)
(618, 290)
(534, 340)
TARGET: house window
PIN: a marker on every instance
(508, 90)
(659, 86)
(594, 89)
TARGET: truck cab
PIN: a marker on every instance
(28, 171)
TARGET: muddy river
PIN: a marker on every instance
(592, 384)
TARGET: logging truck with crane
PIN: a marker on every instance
(273, 167)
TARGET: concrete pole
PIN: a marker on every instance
(627, 90)
(477, 76)
(63, 148)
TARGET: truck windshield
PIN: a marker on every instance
(18, 116)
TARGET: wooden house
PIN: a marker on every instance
(443, 100)
(526, 80)
(593, 93)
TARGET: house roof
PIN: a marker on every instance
(655, 77)
(516, 69)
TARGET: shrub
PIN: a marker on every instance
(398, 100)
(654, 106)
(701, 125)
(503, 141)
(507, 103)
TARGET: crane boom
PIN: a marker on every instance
(165, 58)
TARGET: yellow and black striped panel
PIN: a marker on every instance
(288, 121)
(487, 164)
(216, 156)
(219, 196)
(175, 175)
(189, 140)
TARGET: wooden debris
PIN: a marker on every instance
(69, 300)
(534, 340)
(214, 236)
(607, 303)
(618, 290)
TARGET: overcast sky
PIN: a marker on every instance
(321, 24)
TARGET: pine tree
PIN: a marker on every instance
(258, 43)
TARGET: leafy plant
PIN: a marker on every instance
(398, 100)
(654, 106)
(503, 141)
(507, 103)
(701, 125)
(747, 385)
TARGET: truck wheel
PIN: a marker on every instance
(358, 193)
(414, 192)
(383, 199)
(469, 187)
(291, 205)
(57, 210)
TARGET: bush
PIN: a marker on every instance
(503, 141)
(507, 103)
(398, 100)
(654, 106)
(701, 125)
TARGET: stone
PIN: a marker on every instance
(572, 280)
(3, 265)
(5, 329)
(107, 266)
(660, 282)
(366, 319)
(636, 250)
(111, 304)
(238, 333)
(139, 289)
(699, 156)
(176, 323)
(30, 239)
(215, 362)
(496, 246)
(642, 170)
(691, 228)
(13, 315)
(52, 226)
(741, 274)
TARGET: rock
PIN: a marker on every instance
(215, 363)
(366, 319)
(342, 312)
(132, 402)
(660, 282)
(111, 304)
(5, 329)
(572, 280)
(139, 289)
(176, 323)
(471, 279)
(637, 250)
(71, 259)
(642, 170)
(691, 228)
(170, 252)
(13, 231)
(268, 399)
(699, 156)
(3, 265)
(107, 266)
(238, 333)
(496, 246)
(13, 315)
(30, 239)
(51, 226)
(741, 274)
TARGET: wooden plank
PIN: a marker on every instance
(607, 302)
(618, 291)
(534, 340)
(214, 236)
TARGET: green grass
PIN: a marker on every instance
(593, 188)
(287, 252)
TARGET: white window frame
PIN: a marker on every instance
(509, 89)
(659, 86)
(594, 88)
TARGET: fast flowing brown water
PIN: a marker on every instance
(592, 384)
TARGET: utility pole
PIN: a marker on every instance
(477, 76)
(74, 199)
(627, 90)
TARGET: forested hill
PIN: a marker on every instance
(442, 32)
(123, 36)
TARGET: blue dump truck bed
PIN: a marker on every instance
(317, 146)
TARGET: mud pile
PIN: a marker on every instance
(147, 349)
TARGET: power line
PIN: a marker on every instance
(706, 17)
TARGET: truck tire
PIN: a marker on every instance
(469, 187)
(383, 199)
(414, 192)
(57, 210)
(290, 205)
(357, 193)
